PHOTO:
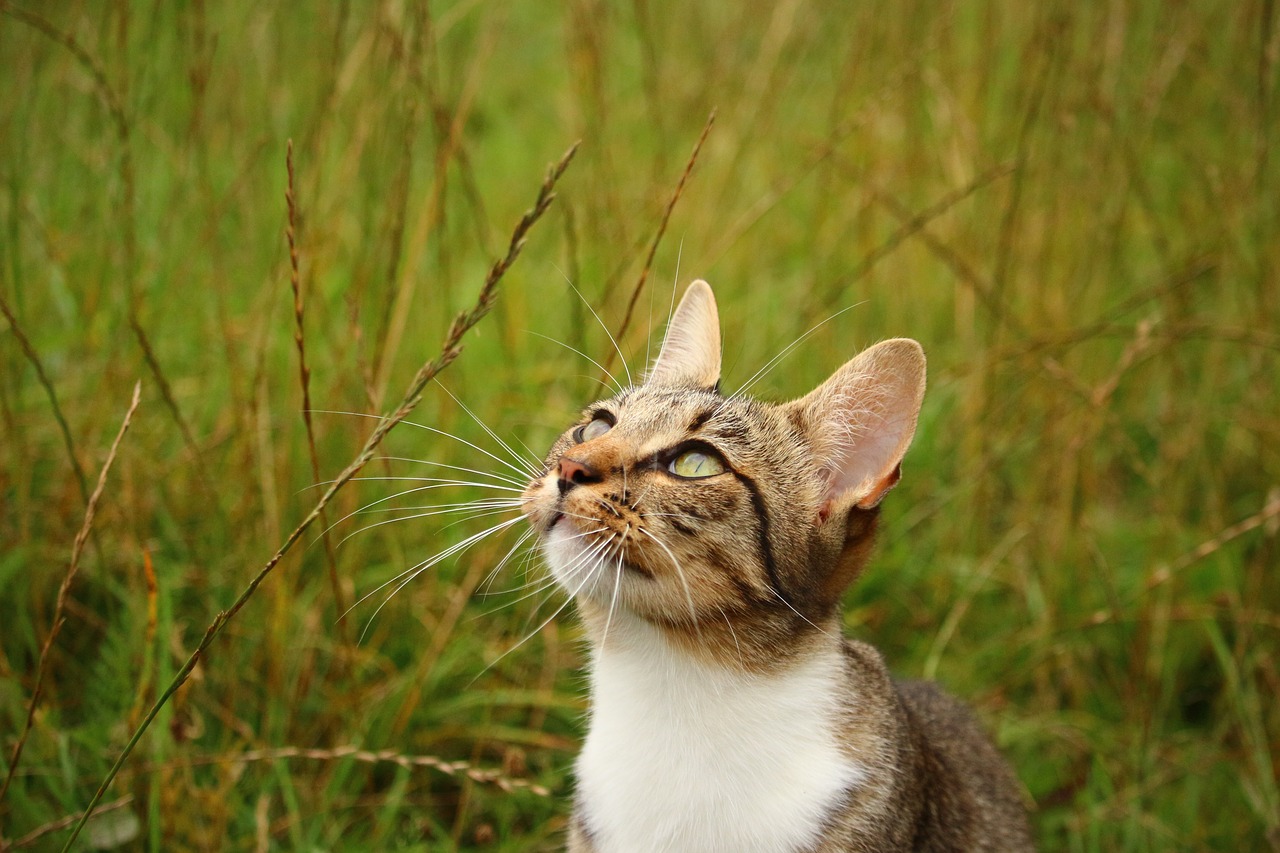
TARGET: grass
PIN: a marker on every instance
(1073, 208)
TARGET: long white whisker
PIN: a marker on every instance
(764, 371)
(693, 613)
(441, 432)
(587, 578)
(441, 485)
(617, 387)
(493, 573)
(648, 362)
(616, 348)
(503, 478)
(443, 482)
(413, 572)
(792, 608)
(551, 581)
(617, 582)
(681, 515)
(734, 634)
(482, 513)
(439, 509)
(530, 467)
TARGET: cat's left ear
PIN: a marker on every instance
(861, 422)
(690, 356)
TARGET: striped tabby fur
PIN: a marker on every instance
(707, 541)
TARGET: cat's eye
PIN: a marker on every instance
(595, 429)
(694, 464)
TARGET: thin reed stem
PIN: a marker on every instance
(115, 105)
(455, 769)
(450, 350)
(657, 238)
(62, 823)
(43, 378)
(61, 602)
(304, 379)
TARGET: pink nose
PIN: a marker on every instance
(575, 471)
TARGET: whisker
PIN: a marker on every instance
(693, 613)
(529, 450)
(589, 576)
(440, 480)
(764, 371)
(531, 468)
(428, 514)
(648, 352)
(504, 478)
(732, 633)
(416, 570)
(441, 432)
(617, 582)
(541, 584)
(493, 573)
(684, 516)
(369, 506)
(616, 387)
(616, 348)
(483, 503)
(792, 608)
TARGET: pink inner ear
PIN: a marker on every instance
(869, 498)
(880, 489)
(863, 419)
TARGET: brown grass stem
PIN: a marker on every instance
(62, 823)
(917, 221)
(454, 769)
(1268, 512)
(657, 238)
(61, 602)
(43, 378)
(963, 270)
(120, 120)
(304, 379)
(1048, 40)
(430, 218)
(449, 351)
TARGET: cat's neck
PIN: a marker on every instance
(688, 753)
(757, 642)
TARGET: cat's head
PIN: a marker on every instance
(695, 511)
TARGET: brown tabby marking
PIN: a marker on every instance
(717, 535)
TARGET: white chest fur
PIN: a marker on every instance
(687, 756)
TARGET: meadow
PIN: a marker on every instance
(1073, 206)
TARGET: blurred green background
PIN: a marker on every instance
(1072, 206)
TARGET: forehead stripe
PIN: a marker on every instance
(700, 419)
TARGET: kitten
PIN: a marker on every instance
(707, 541)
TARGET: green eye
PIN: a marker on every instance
(595, 429)
(696, 464)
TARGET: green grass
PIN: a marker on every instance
(1098, 297)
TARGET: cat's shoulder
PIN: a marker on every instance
(865, 666)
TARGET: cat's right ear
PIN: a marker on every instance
(690, 356)
(861, 422)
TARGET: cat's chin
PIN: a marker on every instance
(585, 566)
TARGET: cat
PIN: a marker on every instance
(707, 541)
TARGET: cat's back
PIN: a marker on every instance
(942, 784)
